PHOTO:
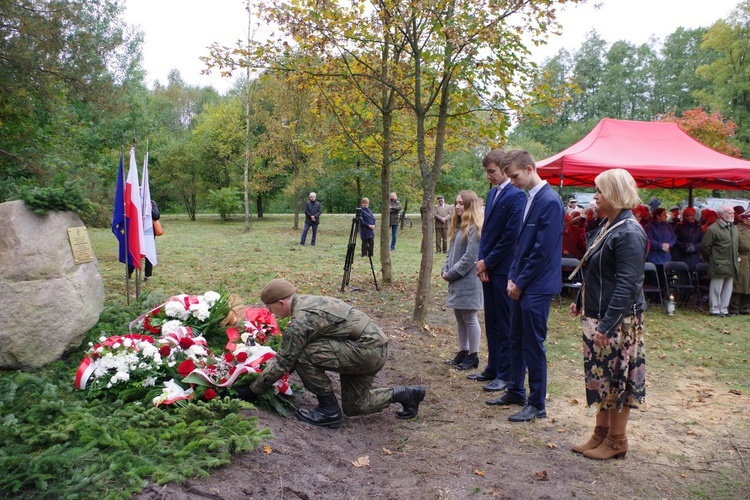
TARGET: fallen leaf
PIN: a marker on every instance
(574, 401)
(387, 451)
(735, 392)
(551, 446)
(479, 473)
(362, 461)
(560, 431)
(541, 475)
(267, 449)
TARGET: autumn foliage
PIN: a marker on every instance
(713, 129)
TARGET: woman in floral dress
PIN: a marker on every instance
(611, 304)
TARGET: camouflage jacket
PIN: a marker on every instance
(315, 318)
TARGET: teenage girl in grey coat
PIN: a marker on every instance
(464, 288)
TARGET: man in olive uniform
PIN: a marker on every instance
(443, 214)
(327, 334)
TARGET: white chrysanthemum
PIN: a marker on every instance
(171, 326)
(176, 309)
(149, 350)
(127, 342)
(149, 382)
(200, 311)
(195, 351)
(211, 297)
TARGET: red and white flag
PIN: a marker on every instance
(148, 222)
(133, 212)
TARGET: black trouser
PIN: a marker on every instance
(368, 246)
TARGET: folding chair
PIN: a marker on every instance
(568, 266)
(679, 281)
(702, 284)
(652, 283)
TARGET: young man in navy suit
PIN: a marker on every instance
(533, 279)
(503, 213)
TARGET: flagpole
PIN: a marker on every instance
(125, 225)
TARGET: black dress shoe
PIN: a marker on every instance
(507, 399)
(529, 413)
(496, 385)
(480, 377)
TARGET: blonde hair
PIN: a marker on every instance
(619, 188)
(365, 200)
(472, 215)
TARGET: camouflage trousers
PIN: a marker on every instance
(356, 362)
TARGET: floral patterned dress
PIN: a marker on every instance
(615, 375)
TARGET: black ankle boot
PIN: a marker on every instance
(471, 361)
(458, 358)
(409, 396)
(326, 414)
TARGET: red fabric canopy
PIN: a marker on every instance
(657, 155)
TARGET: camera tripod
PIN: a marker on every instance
(350, 248)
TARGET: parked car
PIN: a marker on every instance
(714, 203)
(583, 199)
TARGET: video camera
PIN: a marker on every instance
(357, 215)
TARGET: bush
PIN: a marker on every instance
(65, 196)
(225, 201)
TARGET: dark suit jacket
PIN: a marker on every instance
(502, 222)
(537, 264)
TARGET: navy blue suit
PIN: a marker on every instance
(536, 271)
(502, 221)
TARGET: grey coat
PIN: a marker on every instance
(464, 287)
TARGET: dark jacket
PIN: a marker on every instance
(312, 208)
(613, 274)
(537, 260)
(367, 220)
(155, 214)
(502, 222)
(687, 247)
(395, 209)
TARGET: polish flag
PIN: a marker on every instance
(136, 239)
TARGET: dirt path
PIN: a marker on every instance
(690, 441)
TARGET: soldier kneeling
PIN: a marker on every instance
(327, 334)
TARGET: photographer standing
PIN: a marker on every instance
(367, 228)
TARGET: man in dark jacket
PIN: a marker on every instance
(533, 279)
(312, 218)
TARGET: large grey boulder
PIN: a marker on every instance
(48, 302)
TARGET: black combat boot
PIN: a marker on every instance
(326, 414)
(409, 396)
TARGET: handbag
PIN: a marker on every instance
(158, 230)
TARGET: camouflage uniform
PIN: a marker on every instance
(327, 334)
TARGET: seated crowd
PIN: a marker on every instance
(679, 237)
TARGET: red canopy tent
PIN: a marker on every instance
(657, 155)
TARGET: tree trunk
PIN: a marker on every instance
(259, 205)
(296, 210)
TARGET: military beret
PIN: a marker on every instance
(275, 290)
(672, 209)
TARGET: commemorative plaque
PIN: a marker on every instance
(80, 245)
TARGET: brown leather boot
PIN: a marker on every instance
(595, 440)
(612, 447)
